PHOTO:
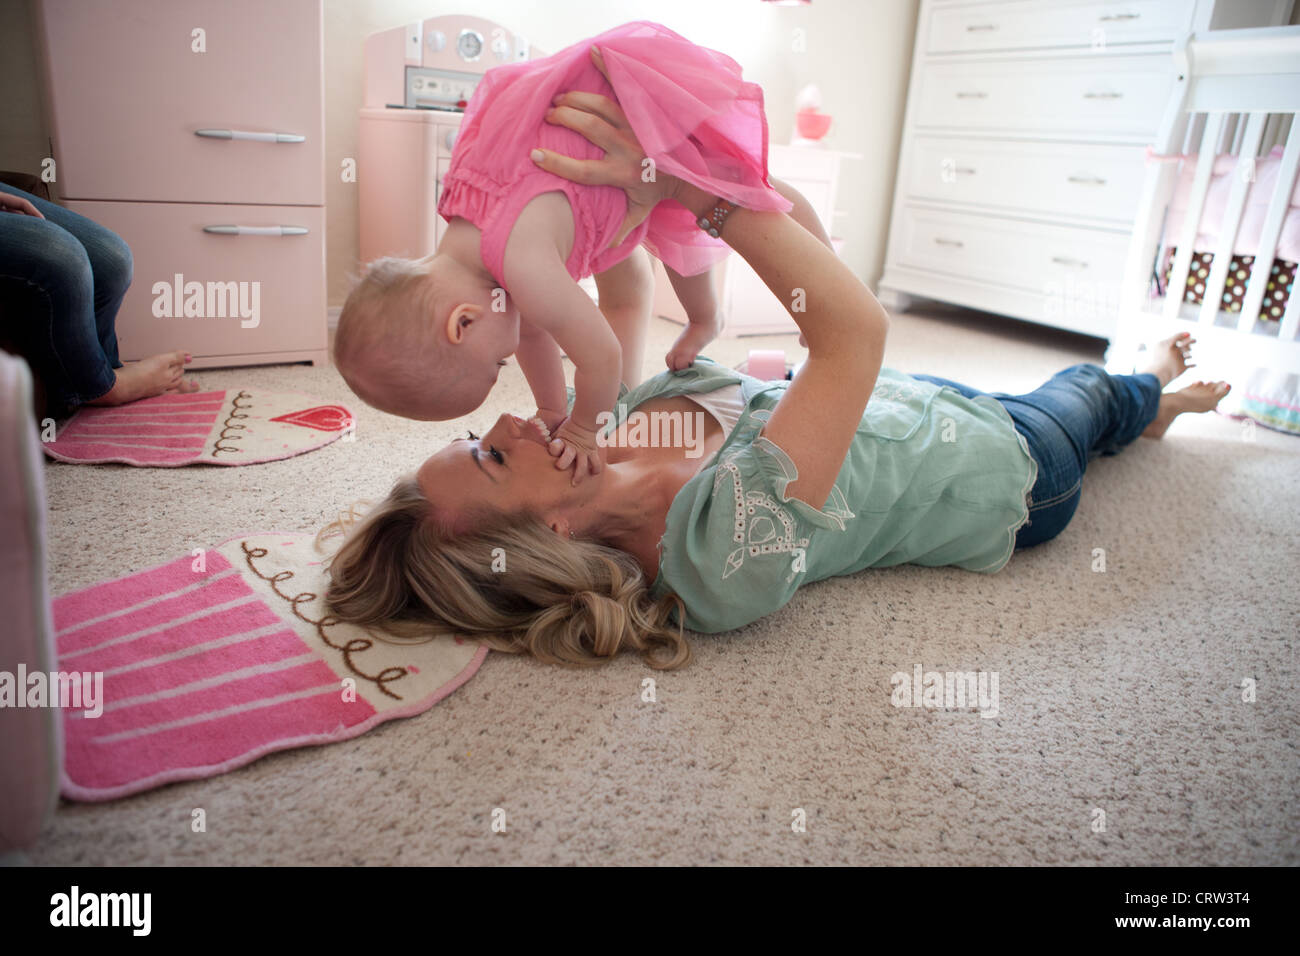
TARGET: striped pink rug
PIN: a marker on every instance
(213, 660)
(231, 427)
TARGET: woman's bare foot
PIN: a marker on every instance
(154, 375)
(1169, 357)
(1197, 397)
(697, 334)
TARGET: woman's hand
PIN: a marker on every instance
(24, 207)
(625, 165)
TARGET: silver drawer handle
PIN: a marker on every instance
(254, 137)
(1067, 261)
(1111, 17)
(1087, 180)
(975, 95)
(1102, 96)
(981, 27)
(256, 230)
(964, 171)
(940, 240)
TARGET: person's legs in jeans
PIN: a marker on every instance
(1078, 414)
(62, 280)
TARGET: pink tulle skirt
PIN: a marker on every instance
(693, 114)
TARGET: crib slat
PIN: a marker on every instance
(1272, 229)
(1232, 135)
(1242, 177)
(1272, 133)
(1191, 222)
(1290, 330)
(1195, 130)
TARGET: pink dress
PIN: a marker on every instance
(689, 108)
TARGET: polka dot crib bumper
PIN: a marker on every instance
(1281, 281)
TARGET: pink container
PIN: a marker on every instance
(767, 364)
(812, 124)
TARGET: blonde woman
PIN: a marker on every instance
(849, 466)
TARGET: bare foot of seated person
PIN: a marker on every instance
(155, 375)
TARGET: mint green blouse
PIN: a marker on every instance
(931, 478)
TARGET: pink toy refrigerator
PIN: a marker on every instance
(195, 131)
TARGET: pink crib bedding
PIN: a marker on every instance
(1246, 245)
(1252, 219)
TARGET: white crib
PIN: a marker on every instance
(1238, 93)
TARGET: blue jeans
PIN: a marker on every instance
(62, 279)
(1079, 413)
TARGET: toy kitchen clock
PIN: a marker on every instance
(418, 80)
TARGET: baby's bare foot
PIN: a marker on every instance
(1169, 357)
(697, 334)
(154, 375)
(1197, 397)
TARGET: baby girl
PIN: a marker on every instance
(427, 338)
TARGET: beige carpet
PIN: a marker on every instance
(1118, 691)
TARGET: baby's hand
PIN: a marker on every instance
(577, 447)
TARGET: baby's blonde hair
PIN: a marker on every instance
(387, 346)
(407, 574)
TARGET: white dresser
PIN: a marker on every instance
(1024, 146)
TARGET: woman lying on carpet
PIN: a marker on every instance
(849, 466)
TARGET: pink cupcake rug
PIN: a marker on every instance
(230, 427)
(208, 662)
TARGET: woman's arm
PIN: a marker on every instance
(845, 328)
(844, 325)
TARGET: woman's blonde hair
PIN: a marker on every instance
(511, 583)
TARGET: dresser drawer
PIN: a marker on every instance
(129, 92)
(1115, 95)
(1033, 24)
(1036, 258)
(1074, 180)
(284, 276)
